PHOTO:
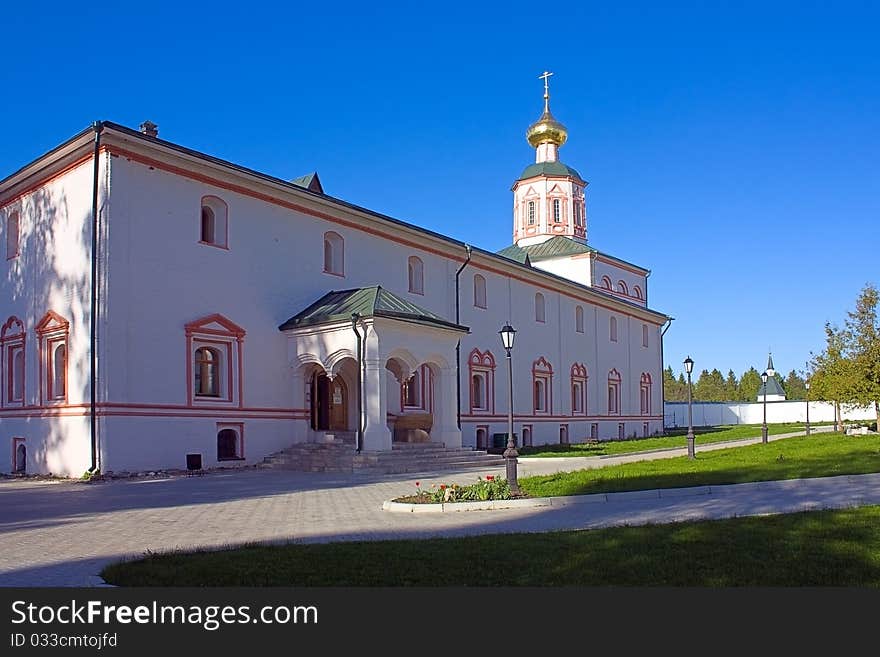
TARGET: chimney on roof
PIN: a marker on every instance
(150, 129)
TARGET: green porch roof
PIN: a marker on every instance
(375, 301)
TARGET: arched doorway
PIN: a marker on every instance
(329, 409)
(21, 458)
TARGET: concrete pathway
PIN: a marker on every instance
(63, 533)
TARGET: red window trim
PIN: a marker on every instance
(52, 330)
(12, 337)
(482, 362)
(230, 337)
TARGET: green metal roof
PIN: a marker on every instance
(773, 388)
(515, 253)
(375, 301)
(310, 182)
(549, 169)
(556, 247)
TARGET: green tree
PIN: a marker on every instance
(731, 387)
(710, 386)
(671, 389)
(749, 383)
(861, 347)
(794, 386)
(831, 378)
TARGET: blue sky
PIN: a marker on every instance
(732, 148)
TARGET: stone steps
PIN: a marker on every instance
(403, 457)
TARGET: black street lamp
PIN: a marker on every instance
(689, 367)
(807, 384)
(508, 333)
(764, 425)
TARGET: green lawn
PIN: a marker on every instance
(820, 455)
(819, 548)
(674, 438)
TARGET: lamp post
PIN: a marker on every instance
(508, 333)
(807, 385)
(764, 425)
(689, 367)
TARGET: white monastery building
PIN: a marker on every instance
(160, 305)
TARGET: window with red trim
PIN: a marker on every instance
(13, 234)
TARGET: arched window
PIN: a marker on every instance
(612, 329)
(579, 319)
(557, 210)
(527, 436)
(577, 213)
(637, 292)
(645, 393)
(613, 392)
(481, 365)
(334, 247)
(578, 389)
(539, 307)
(540, 395)
(59, 372)
(622, 288)
(13, 235)
(228, 444)
(20, 458)
(563, 434)
(52, 334)
(482, 438)
(17, 387)
(207, 372)
(214, 223)
(479, 291)
(542, 380)
(416, 269)
(478, 391)
(606, 282)
(531, 213)
(207, 225)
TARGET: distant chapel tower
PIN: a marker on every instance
(549, 195)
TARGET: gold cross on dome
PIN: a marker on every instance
(546, 77)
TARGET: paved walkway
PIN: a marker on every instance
(63, 533)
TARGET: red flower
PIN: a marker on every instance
(490, 477)
(417, 483)
(442, 486)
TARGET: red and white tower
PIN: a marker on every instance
(548, 198)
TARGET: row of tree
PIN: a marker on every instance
(714, 387)
(847, 372)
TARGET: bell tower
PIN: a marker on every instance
(548, 198)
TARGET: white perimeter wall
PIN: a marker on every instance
(715, 413)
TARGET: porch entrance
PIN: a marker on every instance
(329, 410)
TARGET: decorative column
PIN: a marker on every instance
(445, 429)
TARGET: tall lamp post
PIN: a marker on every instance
(508, 333)
(689, 367)
(807, 385)
(764, 425)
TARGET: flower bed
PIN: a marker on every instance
(490, 488)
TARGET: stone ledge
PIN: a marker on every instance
(405, 507)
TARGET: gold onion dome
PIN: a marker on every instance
(546, 130)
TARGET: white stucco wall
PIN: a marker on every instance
(52, 272)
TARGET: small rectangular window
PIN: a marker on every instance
(644, 335)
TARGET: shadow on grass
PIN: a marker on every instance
(820, 548)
